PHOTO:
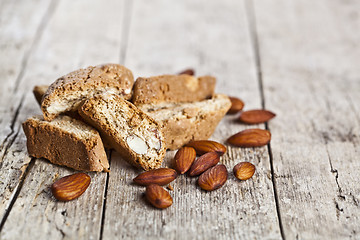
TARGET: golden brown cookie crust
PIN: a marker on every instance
(67, 142)
(68, 92)
(172, 88)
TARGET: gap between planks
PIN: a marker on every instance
(128, 11)
(251, 19)
(43, 23)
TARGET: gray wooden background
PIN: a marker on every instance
(299, 59)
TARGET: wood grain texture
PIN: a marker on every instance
(309, 61)
(69, 41)
(19, 30)
(186, 34)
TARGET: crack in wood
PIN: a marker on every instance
(251, 17)
(36, 40)
(17, 192)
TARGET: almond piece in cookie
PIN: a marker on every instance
(66, 141)
(131, 132)
(68, 92)
(172, 88)
(185, 122)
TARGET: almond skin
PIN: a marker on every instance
(161, 176)
(256, 116)
(236, 105)
(203, 163)
(244, 170)
(70, 187)
(184, 158)
(204, 146)
(250, 138)
(158, 196)
(213, 178)
(188, 71)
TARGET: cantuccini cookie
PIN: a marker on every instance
(68, 92)
(172, 88)
(66, 141)
(184, 122)
(131, 132)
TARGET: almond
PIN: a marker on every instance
(244, 170)
(70, 187)
(205, 146)
(161, 176)
(184, 158)
(256, 116)
(203, 163)
(158, 196)
(250, 138)
(213, 178)
(236, 105)
(189, 71)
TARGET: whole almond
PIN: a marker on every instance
(70, 187)
(158, 196)
(203, 163)
(236, 105)
(205, 146)
(184, 158)
(244, 170)
(188, 71)
(250, 138)
(256, 116)
(161, 176)
(213, 178)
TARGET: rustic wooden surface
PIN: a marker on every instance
(299, 59)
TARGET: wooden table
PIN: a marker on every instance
(299, 59)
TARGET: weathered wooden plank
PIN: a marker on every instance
(19, 29)
(79, 34)
(213, 38)
(309, 56)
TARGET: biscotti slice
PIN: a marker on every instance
(68, 92)
(66, 141)
(184, 122)
(172, 88)
(131, 132)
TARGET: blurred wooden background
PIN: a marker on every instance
(299, 59)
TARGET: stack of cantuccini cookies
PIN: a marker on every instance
(101, 107)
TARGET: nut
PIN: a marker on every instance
(256, 116)
(213, 178)
(236, 105)
(158, 196)
(244, 170)
(136, 144)
(205, 146)
(184, 158)
(70, 187)
(250, 138)
(189, 71)
(161, 176)
(203, 163)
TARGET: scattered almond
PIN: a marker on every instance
(256, 116)
(170, 187)
(205, 146)
(161, 176)
(184, 158)
(244, 170)
(236, 105)
(158, 196)
(250, 138)
(70, 187)
(203, 163)
(213, 178)
(188, 72)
